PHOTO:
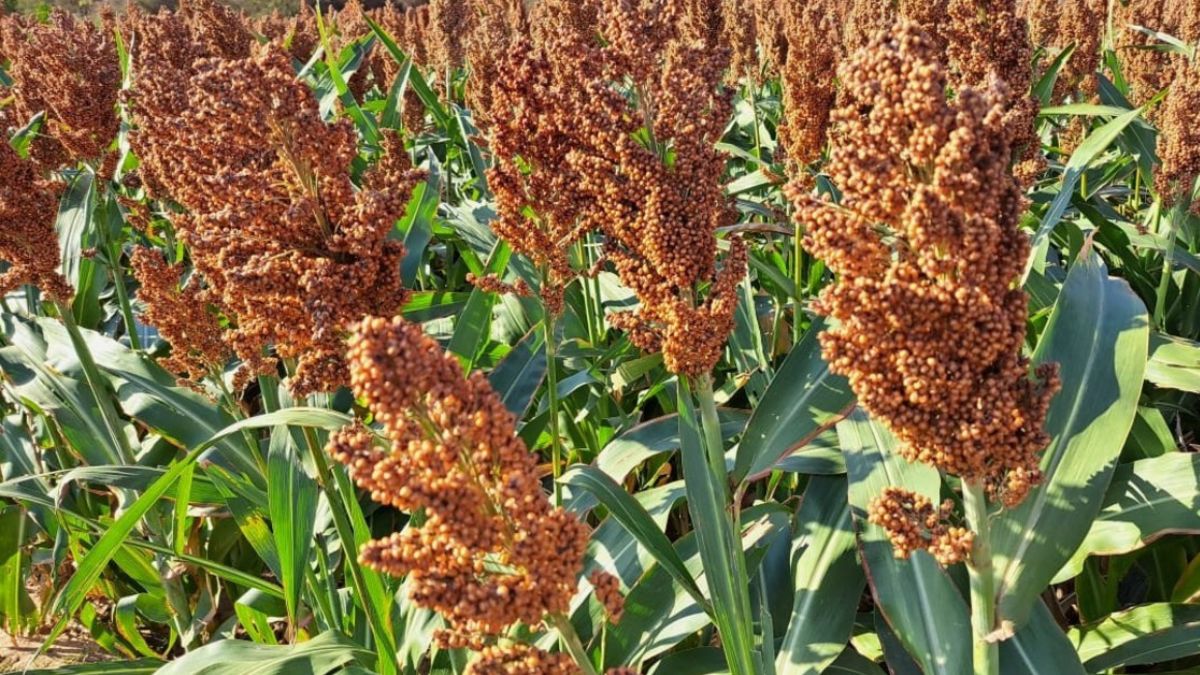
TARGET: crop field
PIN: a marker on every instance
(600, 337)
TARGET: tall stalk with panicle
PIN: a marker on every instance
(927, 234)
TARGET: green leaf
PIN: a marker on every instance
(75, 233)
(89, 569)
(1084, 110)
(1142, 635)
(655, 438)
(1145, 500)
(634, 518)
(323, 654)
(697, 661)
(1088, 150)
(16, 606)
(473, 326)
(803, 400)
(517, 378)
(1043, 89)
(828, 580)
(1040, 647)
(918, 599)
(659, 613)
(43, 385)
(420, 214)
(292, 496)
(419, 85)
(135, 667)
(124, 615)
(151, 395)
(1174, 363)
(728, 583)
(1097, 334)
(851, 662)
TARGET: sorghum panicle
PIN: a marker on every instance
(661, 219)
(808, 95)
(520, 659)
(739, 31)
(166, 48)
(492, 550)
(1149, 70)
(929, 320)
(28, 240)
(1179, 140)
(67, 68)
(575, 155)
(495, 27)
(182, 315)
(608, 592)
(294, 251)
(913, 524)
(988, 39)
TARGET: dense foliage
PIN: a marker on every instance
(621, 336)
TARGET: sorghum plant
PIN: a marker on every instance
(517, 337)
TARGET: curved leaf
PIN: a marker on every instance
(1039, 647)
(803, 399)
(918, 599)
(1174, 363)
(323, 654)
(1088, 150)
(1142, 635)
(1146, 500)
(627, 511)
(1097, 334)
(828, 580)
(91, 566)
(292, 504)
(517, 377)
(719, 541)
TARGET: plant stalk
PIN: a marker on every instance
(339, 507)
(983, 595)
(91, 372)
(562, 625)
(552, 404)
(114, 255)
(710, 424)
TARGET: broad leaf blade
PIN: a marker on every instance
(1039, 647)
(1098, 335)
(804, 398)
(1142, 635)
(323, 654)
(917, 598)
(720, 548)
(292, 498)
(634, 518)
(828, 580)
(1145, 500)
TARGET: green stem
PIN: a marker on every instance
(339, 507)
(979, 569)
(753, 90)
(710, 424)
(797, 280)
(1164, 281)
(91, 374)
(552, 405)
(570, 638)
(114, 256)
